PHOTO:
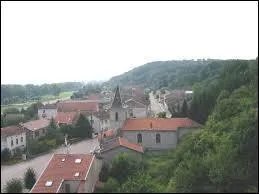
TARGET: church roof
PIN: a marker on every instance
(117, 99)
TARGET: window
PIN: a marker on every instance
(36, 134)
(48, 183)
(16, 141)
(105, 121)
(43, 110)
(158, 138)
(116, 116)
(21, 139)
(67, 188)
(92, 121)
(139, 137)
(11, 142)
(131, 114)
(43, 131)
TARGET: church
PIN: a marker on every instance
(152, 133)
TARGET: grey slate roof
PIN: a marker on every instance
(117, 99)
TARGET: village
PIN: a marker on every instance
(125, 120)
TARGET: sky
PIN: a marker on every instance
(50, 42)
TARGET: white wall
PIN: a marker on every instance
(140, 112)
(96, 123)
(3, 143)
(49, 113)
(14, 137)
(168, 139)
(93, 175)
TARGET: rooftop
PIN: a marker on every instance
(11, 130)
(161, 124)
(119, 141)
(73, 106)
(36, 124)
(66, 117)
(58, 171)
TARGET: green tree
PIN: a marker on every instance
(139, 183)
(161, 115)
(83, 128)
(14, 186)
(29, 178)
(184, 110)
(122, 167)
(110, 186)
(104, 174)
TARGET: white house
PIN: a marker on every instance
(69, 173)
(157, 133)
(13, 137)
(36, 128)
(47, 111)
(135, 109)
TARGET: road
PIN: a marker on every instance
(157, 107)
(39, 163)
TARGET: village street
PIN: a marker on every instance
(39, 163)
(157, 107)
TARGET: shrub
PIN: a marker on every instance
(104, 174)
(14, 186)
(5, 155)
(110, 186)
(29, 178)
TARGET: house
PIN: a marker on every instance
(74, 106)
(36, 128)
(99, 120)
(111, 148)
(47, 111)
(69, 173)
(135, 109)
(106, 135)
(66, 118)
(157, 133)
(13, 137)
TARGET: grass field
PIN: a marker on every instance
(43, 99)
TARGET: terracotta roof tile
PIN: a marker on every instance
(107, 133)
(57, 171)
(11, 130)
(73, 106)
(36, 124)
(119, 141)
(66, 117)
(161, 124)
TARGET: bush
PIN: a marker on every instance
(14, 186)
(104, 174)
(17, 153)
(110, 186)
(29, 178)
(5, 155)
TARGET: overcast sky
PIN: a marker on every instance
(46, 42)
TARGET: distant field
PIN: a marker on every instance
(43, 98)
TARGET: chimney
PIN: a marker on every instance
(151, 125)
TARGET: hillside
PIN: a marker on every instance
(173, 74)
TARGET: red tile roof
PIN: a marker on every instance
(134, 104)
(57, 171)
(66, 117)
(133, 146)
(93, 97)
(119, 141)
(107, 133)
(11, 130)
(73, 106)
(36, 124)
(161, 124)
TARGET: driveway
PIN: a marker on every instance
(39, 163)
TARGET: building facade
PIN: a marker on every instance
(13, 137)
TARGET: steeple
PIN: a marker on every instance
(117, 99)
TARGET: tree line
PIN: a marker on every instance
(13, 93)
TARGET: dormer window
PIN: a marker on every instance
(76, 174)
(78, 161)
(48, 183)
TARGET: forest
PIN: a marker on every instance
(222, 156)
(14, 93)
